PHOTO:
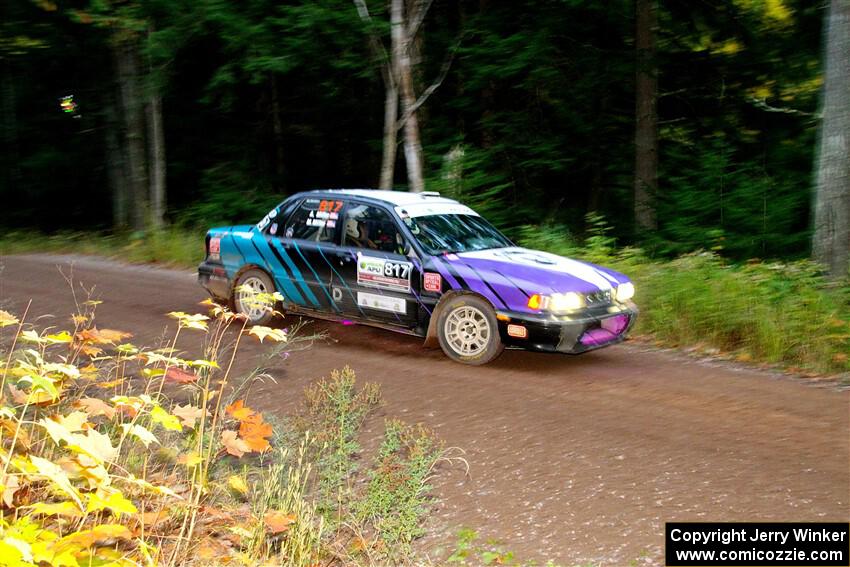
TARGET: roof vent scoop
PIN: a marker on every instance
(430, 193)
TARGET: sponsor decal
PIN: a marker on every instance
(382, 302)
(517, 331)
(215, 248)
(267, 219)
(273, 228)
(433, 282)
(383, 274)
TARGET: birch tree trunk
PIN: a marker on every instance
(401, 63)
(156, 151)
(831, 237)
(127, 55)
(390, 134)
(646, 116)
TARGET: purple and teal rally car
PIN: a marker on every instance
(420, 264)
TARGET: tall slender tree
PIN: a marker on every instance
(831, 237)
(646, 115)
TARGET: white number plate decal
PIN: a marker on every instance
(381, 302)
(383, 274)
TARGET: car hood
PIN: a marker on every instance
(512, 274)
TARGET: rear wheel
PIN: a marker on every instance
(468, 331)
(248, 297)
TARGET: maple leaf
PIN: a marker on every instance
(190, 459)
(277, 521)
(237, 483)
(74, 421)
(91, 350)
(239, 411)
(186, 321)
(67, 509)
(110, 499)
(142, 434)
(165, 419)
(262, 333)
(9, 485)
(188, 414)
(98, 534)
(180, 376)
(96, 445)
(57, 476)
(95, 407)
(256, 434)
(7, 319)
(233, 445)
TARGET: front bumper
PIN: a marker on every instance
(587, 330)
(213, 278)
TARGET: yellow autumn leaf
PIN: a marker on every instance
(7, 319)
(57, 476)
(56, 338)
(190, 459)
(237, 483)
(113, 501)
(67, 509)
(165, 419)
(140, 433)
(262, 333)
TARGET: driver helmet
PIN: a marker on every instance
(352, 228)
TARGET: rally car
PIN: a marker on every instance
(415, 263)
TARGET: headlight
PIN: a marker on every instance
(625, 291)
(563, 302)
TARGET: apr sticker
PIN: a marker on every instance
(381, 302)
(432, 282)
(383, 274)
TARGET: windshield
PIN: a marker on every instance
(441, 234)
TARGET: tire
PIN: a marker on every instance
(260, 282)
(468, 331)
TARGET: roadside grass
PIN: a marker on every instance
(171, 246)
(100, 464)
(779, 313)
(782, 313)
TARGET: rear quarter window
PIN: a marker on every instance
(315, 220)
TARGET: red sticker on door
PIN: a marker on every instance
(433, 282)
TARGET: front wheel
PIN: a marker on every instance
(468, 331)
(252, 297)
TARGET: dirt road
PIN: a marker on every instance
(576, 459)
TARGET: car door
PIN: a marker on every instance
(372, 273)
(296, 243)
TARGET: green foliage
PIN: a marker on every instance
(783, 313)
(397, 494)
(334, 414)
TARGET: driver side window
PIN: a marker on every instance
(372, 228)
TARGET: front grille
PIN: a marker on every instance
(599, 298)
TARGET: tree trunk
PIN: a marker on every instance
(11, 153)
(390, 134)
(646, 116)
(156, 151)
(115, 166)
(831, 238)
(402, 65)
(127, 55)
(277, 126)
(156, 155)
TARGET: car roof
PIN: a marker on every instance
(395, 198)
